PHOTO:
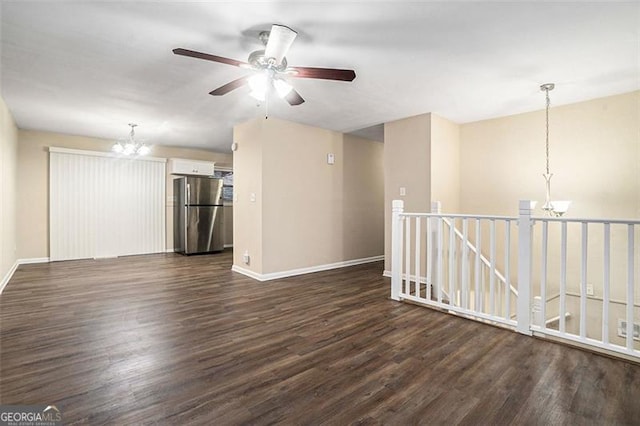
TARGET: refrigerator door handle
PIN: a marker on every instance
(188, 194)
(186, 226)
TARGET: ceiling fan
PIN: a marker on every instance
(270, 68)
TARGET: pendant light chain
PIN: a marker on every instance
(547, 128)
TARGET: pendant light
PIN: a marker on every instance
(551, 208)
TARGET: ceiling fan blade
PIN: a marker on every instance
(294, 98)
(208, 57)
(223, 90)
(323, 73)
(280, 39)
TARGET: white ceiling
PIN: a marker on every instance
(90, 68)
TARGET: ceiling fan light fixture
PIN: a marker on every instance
(282, 88)
(258, 96)
(259, 82)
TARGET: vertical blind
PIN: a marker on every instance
(101, 205)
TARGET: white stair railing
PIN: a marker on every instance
(456, 270)
(455, 273)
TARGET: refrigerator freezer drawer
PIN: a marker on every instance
(204, 229)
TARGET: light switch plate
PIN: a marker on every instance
(331, 159)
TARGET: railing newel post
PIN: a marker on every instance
(396, 237)
(525, 230)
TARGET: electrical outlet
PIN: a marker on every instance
(589, 289)
(246, 258)
(403, 191)
(622, 329)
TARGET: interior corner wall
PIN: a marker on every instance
(407, 164)
(445, 163)
(33, 183)
(8, 191)
(311, 213)
(594, 158)
(247, 190)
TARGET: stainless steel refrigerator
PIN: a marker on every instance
(198, 215)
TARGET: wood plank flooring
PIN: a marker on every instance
(168, 339)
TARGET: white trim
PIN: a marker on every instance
(386, 273)
(308, 270)
(17, 263)
(33, 260)
(228, 245)
(8, 276)
(247, 272)
(105, 154)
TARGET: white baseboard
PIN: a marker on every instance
(17, 263)
(301, 271)
(8, 276)
(386, 273)
(33, 260)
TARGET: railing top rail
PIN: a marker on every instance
(588, 220)
(534, 218)
(461, 216)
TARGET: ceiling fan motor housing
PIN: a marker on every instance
(259, 61)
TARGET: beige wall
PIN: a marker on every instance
(445, 163)
(311, 213)
(595, 159)
(407, 163)
(33, 183)
(8, 179)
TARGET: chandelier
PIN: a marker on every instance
(551, 208)
(130, 146)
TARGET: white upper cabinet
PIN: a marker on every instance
(179, 166)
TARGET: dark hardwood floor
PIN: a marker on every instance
(168, 339)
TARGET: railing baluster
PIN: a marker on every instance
(605, 283)
(630, 296)
(492, 276)
(563, 276)
(543, 275)
(507, 272)
(429, 259)
(417, 257)
(407, 258)
(583, 283)
(465, 265)
(477, 266)
(440, 259)
(452, 258)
